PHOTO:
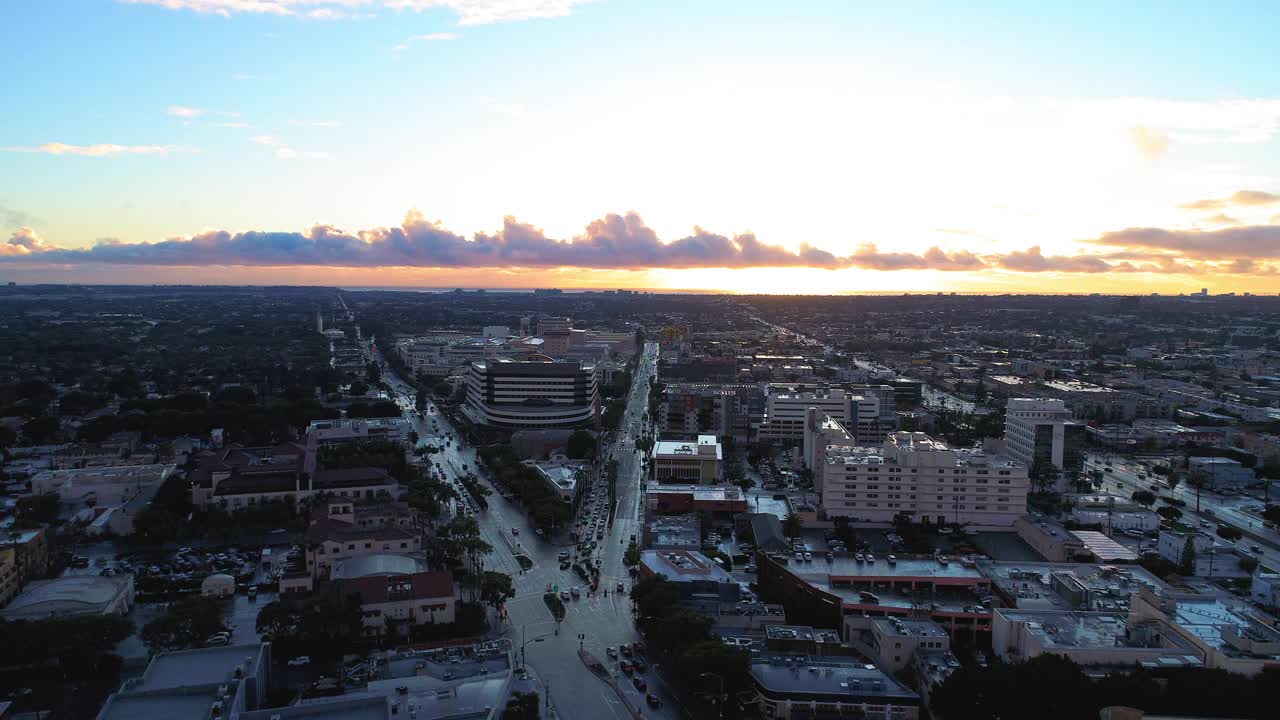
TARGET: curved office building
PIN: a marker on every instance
(531, 394)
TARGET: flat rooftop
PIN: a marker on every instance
(1030, 582)
(833, 677)
(917, 627)
(204, 666)
(1207, 617)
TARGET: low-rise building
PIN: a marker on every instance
(688, 462)
(561, 478)
(24, 554)
(328, 433)
(211, 682)
(390, 603)
(1220, 471)
(692, 572)
(1091, 638)
(799, 686)
(706, 499)
(891, 642)
(106, 497)
(1230, 637)
(72, 595)
(334, 535)
(673, 532)
(1210, 558)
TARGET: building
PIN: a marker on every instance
(1039, 433)
(560, 478)
(24, 554)
(236, 477)
(211, 682)
(803, 687)
(820, 432)
(687, 410)
(786, 409)
(1050, 539)
(706, 499)
(673, 532)
(105, 498)
(692, 572)
(924, 479)
(328, 433)
(72, 595)
(534, 394)
(1108, 639)
(1220, 471)
(334, 535)
(1230, 638)
(1209, 558)
(391, 601)
(892, 642)
(686, 462)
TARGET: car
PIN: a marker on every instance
(515, 531)
(808, 557)
(564, 595)
(626, 667)
(752, 569)
(565, 564)
(640, 684)
(575, 593)
(799, 557)
(621, 588)
(300, 661)
(653, 700)
(639, 666)
(625, 649)
(611, 651)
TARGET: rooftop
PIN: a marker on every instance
(917, 627)
(683, 566)
(836, 678)
(380, 564)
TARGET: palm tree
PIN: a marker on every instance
(791, 525)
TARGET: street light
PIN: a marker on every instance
(720, 697)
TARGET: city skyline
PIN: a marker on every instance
(759, 147)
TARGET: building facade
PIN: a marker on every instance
(924, 479)
(533, 394)
(1040, 433)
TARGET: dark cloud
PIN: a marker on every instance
(1032, 260)
(1249, 241)
(1244, 198)
(14, 218)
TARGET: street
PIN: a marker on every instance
(602, 620)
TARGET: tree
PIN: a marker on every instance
(156, 524)
(791, 525)
(358, 388)
(1169, 512)
(185, 624)
(631, 557)
(495, 588)
(37, 510)
(373, 373)
(1187, 564)
(41, 429)
(1145, 498)
(712, 656)
(1272, 514)
(522, 706)
(442, 389)
(1229, 533)
(581, 445)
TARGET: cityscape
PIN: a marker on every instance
(627, 359)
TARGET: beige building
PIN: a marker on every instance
(685, 462)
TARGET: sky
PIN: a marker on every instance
(742, 146)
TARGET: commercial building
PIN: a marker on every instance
(533, 394)
(688, 462)
(104, 498)
(1091, 638)
(687, 410)
(891, 642)
(692, 572)
(335, 535)
(786, 410)
(706, 499)
(72, 595)
(328, 433)
(1220, 471)
(673, 532)
(1039, 433)
(211, 682)
(561, 478)
(924, 479)
(1210, 559)
(802, 687)
(1229, 637)
(237, 477)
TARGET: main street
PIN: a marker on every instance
(1126, 476)
(602, 620)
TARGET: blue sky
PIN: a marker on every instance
(988, 130)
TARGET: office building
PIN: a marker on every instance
(700, 462)
(687, 410)
(1105, 639)
(799, 686)
(868, 416)
(213, 682)
(534, 394)
(1039, 433)
(924, 479)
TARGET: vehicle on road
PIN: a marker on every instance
(300, 661)
(611, 651)
(640, 684)
(515, 531)
(653, 700)
(625, 649)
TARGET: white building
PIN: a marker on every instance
(72, 595)
(1211, 558)
(1041, 431)
(560, 478)
(684, 462)
(1220, 471)
(863, 414)
(534, 394)
(923, 478)
(391, 602)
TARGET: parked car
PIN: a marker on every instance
(653, 700)
(640, 684)
(611, 651)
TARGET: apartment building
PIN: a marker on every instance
(687, 410)
(915, 475)
(785, 412)
(533, 394)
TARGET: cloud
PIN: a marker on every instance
(316, 123)
(101, 150)
(184, 111)
(1242, 198)
(468, 12)
(1246, 241)
(22, 243)
(12, 217)
(288, 153)
(1151, 143)
(613, 242)
(234, 125)
(268, 140)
